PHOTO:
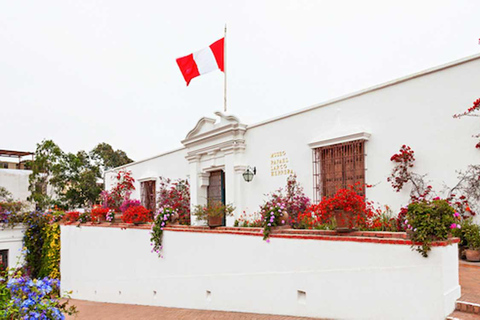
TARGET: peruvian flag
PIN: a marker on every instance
(203, 61)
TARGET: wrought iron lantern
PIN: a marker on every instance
(249, 174)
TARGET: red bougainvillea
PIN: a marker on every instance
(121, 191)
(349, 200)
(469, 112)
(401, 173)
(137, 214)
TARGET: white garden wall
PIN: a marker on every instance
(11, 239)
(316, 278)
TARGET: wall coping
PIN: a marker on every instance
(380, 237)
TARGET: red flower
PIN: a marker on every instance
(137, 214)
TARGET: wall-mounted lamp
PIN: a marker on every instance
(249, 173)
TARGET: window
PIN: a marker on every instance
(3, 260)
(148, 194)
(337, 166)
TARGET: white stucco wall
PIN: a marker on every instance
(341, 280)
(416, 111)
(169, 165)
(11, 239)
(15, 181)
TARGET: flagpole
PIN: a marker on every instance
(225, 70)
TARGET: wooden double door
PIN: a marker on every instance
(216, 189)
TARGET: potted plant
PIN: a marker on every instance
(137, 215)
(347, 207)
(273, 217)
(213, 213)
(471, 236)
(99, 214)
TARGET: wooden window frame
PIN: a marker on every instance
(337, 166)
(151, 203)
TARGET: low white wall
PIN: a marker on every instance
(11, 239)
(341, 280)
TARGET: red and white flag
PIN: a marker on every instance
(203, 61)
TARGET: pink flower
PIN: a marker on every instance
(268, 240)
(457, 215)
(458, 226)
(453, 226)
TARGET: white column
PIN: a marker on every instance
(230, 177)
(195, 183)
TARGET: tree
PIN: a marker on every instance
(45, 167)
(107, 158)
(70, 180)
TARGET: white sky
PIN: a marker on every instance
(84, 72)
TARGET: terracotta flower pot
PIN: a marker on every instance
(174, 219)
(215, 221)
(283, 217)
(473, 255)
(345, 221)
(117, 217)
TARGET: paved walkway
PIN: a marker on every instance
(469, 280)
(111, 311)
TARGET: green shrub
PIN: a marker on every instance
(429, 221)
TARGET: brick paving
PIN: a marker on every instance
(470, 281)
(111, 311)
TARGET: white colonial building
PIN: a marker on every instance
(330, 145)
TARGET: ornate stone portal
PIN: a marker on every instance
(216, 145)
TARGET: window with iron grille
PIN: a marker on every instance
(338, 166)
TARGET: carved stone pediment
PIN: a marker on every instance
(209, 135)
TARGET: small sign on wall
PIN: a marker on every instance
(280, 164)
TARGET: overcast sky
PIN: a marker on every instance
(84, 72)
